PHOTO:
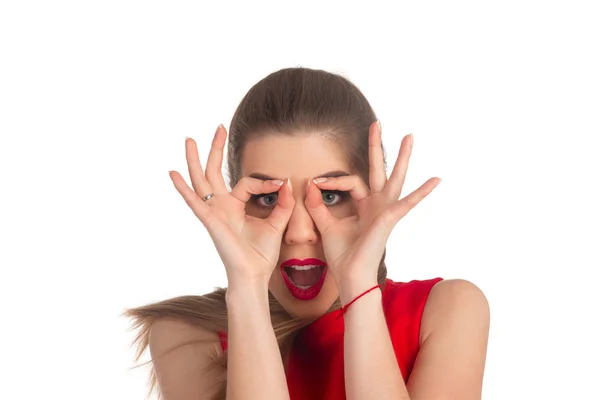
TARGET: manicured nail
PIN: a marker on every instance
(438, 182)
(319, 180)
(289, 183)
(218, 128)
(412, 140)
(379, 126)
(277, 182)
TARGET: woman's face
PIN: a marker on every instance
(300, 289)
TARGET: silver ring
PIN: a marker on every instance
(208, 196)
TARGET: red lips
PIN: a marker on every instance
(310, 292)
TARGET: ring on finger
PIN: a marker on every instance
(208, 196)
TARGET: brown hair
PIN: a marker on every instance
(288, 102)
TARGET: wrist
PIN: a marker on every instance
(350, 289)
(247, 293)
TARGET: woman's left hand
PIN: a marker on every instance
(354, 245)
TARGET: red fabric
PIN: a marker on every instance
(316, 363)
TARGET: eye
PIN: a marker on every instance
(266, 200)
(330, 198)
(333, 197)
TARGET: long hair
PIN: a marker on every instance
(290, 101)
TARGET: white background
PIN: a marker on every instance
(96, 99)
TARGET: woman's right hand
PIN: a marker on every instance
(248, 246)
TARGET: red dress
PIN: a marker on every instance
(316, 362)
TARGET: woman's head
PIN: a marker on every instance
(301, 124)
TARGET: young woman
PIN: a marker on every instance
(309, 312)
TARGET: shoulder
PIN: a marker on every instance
(454, 301)
(184, 358)
(453, 343)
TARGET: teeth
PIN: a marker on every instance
(303, 267)
(303, 287)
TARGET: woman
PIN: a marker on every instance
(301, 234)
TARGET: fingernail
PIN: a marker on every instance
(438, 182)
(277, 182)
(412, 140)
(289, 183)
(379, 126)
(218, 128)
(319, 180)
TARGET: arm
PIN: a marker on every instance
(371, 370)
(254, 367)
(249, 248)
(451, 359)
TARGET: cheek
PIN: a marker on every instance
(257, 211)
(345, 209)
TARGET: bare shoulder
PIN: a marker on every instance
(453, 301)
(453, 343)
(183, 355)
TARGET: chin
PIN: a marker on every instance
(311, 308)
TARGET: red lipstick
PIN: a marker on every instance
(299, 292)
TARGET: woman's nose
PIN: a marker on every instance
(300, 229)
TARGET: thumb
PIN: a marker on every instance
(283, 209)
(317, 209)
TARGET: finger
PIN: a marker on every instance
(248, 186)
(353, 184)
(199, 182)
(282, 212)
(393, 187)
(214, 164)
(399, 209)
(317, 209)
(377, 177)
(200, 209)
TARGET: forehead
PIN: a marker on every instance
(298, 156)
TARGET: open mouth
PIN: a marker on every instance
(304, 278)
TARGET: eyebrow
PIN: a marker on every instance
(331, 174)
